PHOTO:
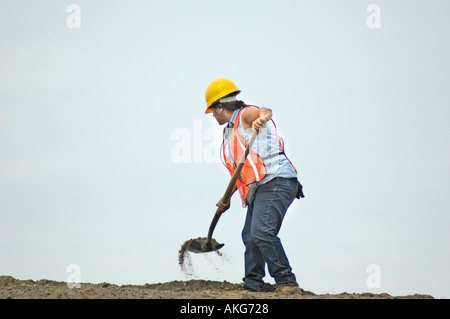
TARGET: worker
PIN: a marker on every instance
(267, 184)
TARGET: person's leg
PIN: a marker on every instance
(254, 262)
(269, 208)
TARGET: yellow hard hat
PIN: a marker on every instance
(217, 90)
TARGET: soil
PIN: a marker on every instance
(11, 288)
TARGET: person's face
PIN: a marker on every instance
(219, 115)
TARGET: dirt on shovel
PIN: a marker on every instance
(183, 253)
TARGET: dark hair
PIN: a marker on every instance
(230, 106)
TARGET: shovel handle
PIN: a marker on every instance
(229, 190)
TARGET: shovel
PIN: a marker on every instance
(204, 245)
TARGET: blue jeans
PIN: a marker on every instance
(262, 224)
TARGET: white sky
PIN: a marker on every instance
(90, 118)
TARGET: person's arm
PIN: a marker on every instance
(222, 207)
(256, 117)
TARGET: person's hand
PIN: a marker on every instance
(258, 123)
(222, 207)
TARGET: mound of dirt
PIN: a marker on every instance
(11, 288)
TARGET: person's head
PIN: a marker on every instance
(224, 108)
(221, 100)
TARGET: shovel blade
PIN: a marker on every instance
(200, 245)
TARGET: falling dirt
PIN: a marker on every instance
(184, 260)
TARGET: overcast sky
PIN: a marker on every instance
(107, 160)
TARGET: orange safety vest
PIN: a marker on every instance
(254, 169)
